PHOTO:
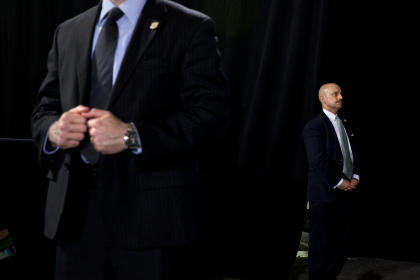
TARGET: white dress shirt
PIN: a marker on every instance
(334, 118)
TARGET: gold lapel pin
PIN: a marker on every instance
(154, 25)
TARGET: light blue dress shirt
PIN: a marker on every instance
(126, 24)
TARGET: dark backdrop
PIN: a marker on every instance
(276, 54)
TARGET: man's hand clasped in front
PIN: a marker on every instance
(106, 131)
(347, 185)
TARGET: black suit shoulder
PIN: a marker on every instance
(181, 13)
(186, 22)
(177, 14)
(80, 18)
(71, 32)
(317, 123)
(189, 15)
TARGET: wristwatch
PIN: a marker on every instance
(131, 138)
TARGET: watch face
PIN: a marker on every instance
(130, 139)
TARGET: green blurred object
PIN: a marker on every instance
(7, 249)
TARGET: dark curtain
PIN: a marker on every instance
(272, 55)
(22, 199)
(276, 54)
(370, 50)
(27, 29)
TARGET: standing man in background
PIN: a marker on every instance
(134, 90)
(332, 179)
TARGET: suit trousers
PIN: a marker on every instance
(330, 225)
(91, 255)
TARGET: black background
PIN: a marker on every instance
(276, 55)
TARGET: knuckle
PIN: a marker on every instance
(92, 123)
(63, 125)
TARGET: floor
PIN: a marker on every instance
(360, 268)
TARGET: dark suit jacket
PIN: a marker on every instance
(171, 86)
(325, 158)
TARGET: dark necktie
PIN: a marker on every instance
(348, 164)
(102, 72)
(103, 61)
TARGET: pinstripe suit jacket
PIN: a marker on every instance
(171, 86)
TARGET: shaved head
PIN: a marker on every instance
(330, 96)
(325, 88)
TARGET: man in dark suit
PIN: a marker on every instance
(332, 179)
(134, 91)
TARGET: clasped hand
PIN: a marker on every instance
(347, 185)
(106, 131)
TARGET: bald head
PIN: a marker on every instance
(325, 88)
(331, 98)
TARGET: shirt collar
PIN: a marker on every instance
(330, 115)
(131, 9)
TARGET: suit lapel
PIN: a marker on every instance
(328, 123)
(346, 126)
(349, 131)
(331, 131)
(144, 32)
(84, 43)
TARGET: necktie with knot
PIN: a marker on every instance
(345, 149)
(103, 61)
(102, 73)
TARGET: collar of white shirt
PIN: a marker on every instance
(333, 117)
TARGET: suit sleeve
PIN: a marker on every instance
(204, 96)
(316, 151)
(47, 108)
